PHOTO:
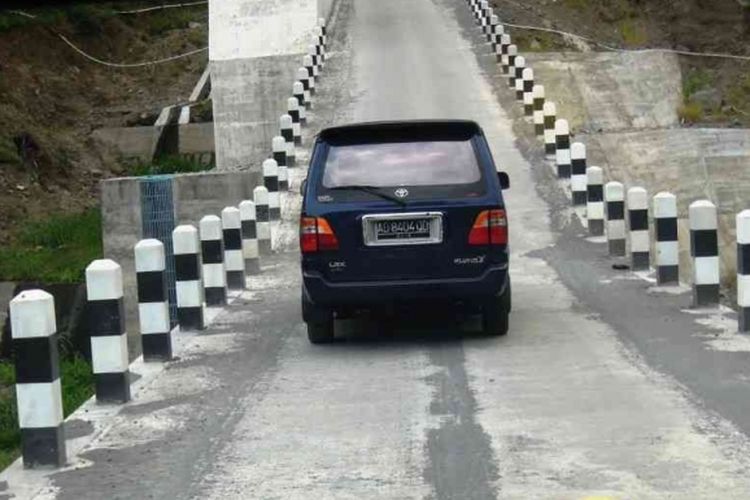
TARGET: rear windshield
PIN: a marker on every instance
(424, 163)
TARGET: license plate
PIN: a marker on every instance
(403, 229)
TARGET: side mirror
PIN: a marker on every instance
(303, 187)
(504, 180)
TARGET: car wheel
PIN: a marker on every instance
(320, 332)
(495, 315)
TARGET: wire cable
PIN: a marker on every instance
(161, 7)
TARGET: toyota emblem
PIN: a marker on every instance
(402, 192)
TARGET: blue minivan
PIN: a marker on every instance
(400, 213)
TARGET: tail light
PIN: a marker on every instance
(490, 228)
(316, 235)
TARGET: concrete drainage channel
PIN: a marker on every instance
(212, 265)
(614, 214)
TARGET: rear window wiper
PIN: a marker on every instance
(371, 190)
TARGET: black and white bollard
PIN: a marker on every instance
(496, 30)
(310, 62)
(214, 271)
(37, 365)
(704, 248)
(271, 182)
(614, 198)
(528, 92)
(516, 73)
(188, 281)
(595, 200)
(263, 219)
(298, 91)
(324, 30)
(307, 83)
(743, 271)
(578, 184)
(509, 60)
(283, 179)
(286, 128)
(501, 50)
(249, 237)
(640, 244)
(294, 111)
(234, 260)
(667, 247)
(562, 149)
(320, 43)
(109, 341)
(278, 145)
(153, 301)
(537, 98)
(550, 117)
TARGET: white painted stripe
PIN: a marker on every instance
(154, 317)
(273, 199)
(562, 156)
(264, 230)
(578, 151)
(296, 129)
(578, 182)
(260, 195)
(616, 229)
(103, 280)
(214, 275)
(743, 227)
(528, 99)
(549, 136)
(519, 85)
(706, 270)
(185, 240)
(562, 127)
(702, 215)
(639, 241)
(189, 293)
(637, 199)
(538, 118)
(39, 405)
(234, 260)
(32, 314)
(614, 191)
(667, 253)
(250, 249)
(665, 205)
(109, 354)
(595, 210)
(231, 218)
(504, 60)
(149, 256)
(743, 290)
(210, 228)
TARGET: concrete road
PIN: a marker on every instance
(572, 404)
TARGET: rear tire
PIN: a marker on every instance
(319, 321)
(320, 332)
(495, 315)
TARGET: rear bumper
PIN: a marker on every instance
(325, 293)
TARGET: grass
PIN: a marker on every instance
(53, 250)
(633, 32)
(695, 81)
(167, 165)
(8, 152)
(77, 382)
(690, 112)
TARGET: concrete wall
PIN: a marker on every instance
(194, 195)
(255, 49)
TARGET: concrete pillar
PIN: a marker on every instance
(595, 200)
(550, 117)
(271, 182)
(153, 302)
(562, 149)
(250, 237)
(33, 329)
(743, 271)
(188, 280)
(578, 173)
(640, 244)
(214, 271)
(614, 198)
(537, 95)
(234, 260)
(667, 246)
(263, 219)
(704, 249)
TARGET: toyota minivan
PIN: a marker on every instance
(400, 213)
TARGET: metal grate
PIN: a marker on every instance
(158, 221)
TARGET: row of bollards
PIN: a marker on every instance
(622, 215)
(209, 261)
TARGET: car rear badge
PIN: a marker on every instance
(401, 192)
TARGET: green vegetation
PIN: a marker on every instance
(690, 112)
(633, 33)
(8, 152)
(167, 165)
(54, 250)
(77, 383)
(695, 81)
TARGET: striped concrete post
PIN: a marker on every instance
(287, 132)
(595, 200)
(640, 244)
(307, 83)
(667, 246)
(298, 91)
(501, 50)
(249, 237)
(743, 271)
(516, 71)
(278, 145)
(263, 219)
(614, 198)
(320, 43)
(292, 107)
(562, 148)
(188, 281)
(37, 365)
(550, 117)
(537, 98)
(234, 260)
(496, 30)
(214, 271)
(153, 302)
(109, 341)
(271, 182)
(578, 184)
(283, 179)
(323, 28)
(704, 248)
(528, 92)
(509, 60)
(309, 61)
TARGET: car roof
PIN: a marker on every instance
(398, 131)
